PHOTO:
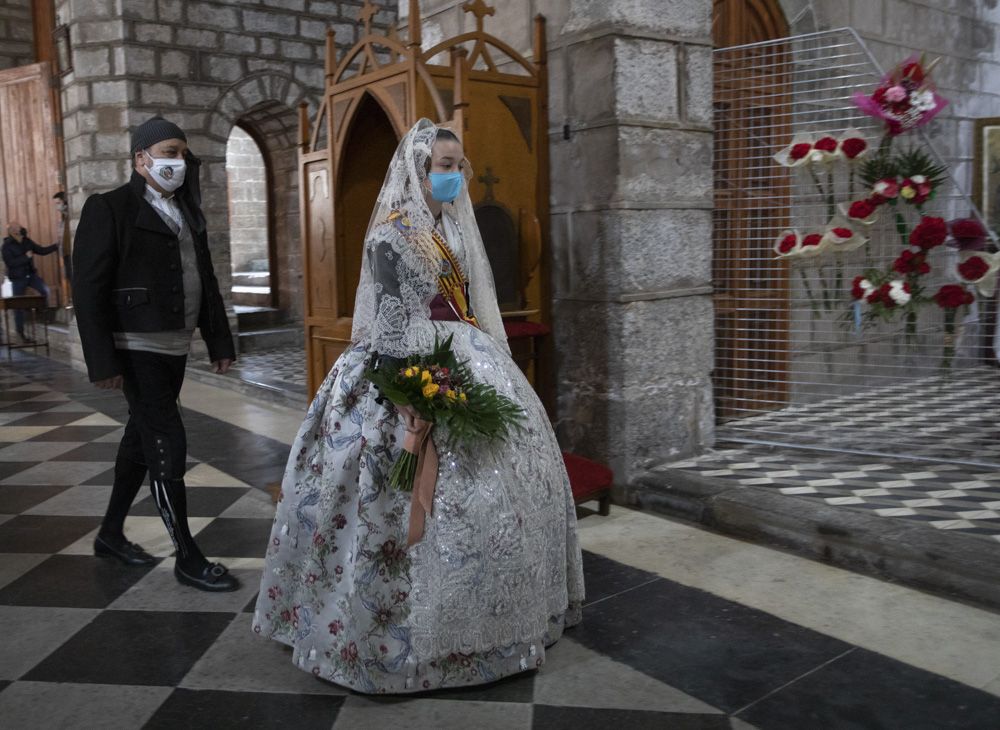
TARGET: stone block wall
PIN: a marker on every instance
(205, 65)
(17, 46)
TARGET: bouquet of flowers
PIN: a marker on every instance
(906, 98)
(437, 389)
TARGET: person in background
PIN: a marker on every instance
(18, 251)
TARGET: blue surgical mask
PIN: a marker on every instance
(445, 186)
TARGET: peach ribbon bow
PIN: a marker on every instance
(418, 441)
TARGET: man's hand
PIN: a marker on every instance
(222, 366)
(114, 383)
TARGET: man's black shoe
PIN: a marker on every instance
(213, 577)
(127, 552)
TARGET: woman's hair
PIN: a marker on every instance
(443, 135)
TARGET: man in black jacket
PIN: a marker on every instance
(142, 282)
(17, 252)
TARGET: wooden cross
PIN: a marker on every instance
(480, 10)
(366, 14)
(488, 180)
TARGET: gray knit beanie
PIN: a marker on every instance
(154, 130)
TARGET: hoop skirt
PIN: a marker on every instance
(495, 579)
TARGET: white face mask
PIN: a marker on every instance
(168, 172)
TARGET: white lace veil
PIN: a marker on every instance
(402, 191)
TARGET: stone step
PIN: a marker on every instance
(256, 317)
(251, 278)
(252, 296)
(269, 339)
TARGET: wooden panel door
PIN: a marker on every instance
(751, 205)
(29, 162)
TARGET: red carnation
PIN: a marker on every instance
(812, 239)
(861, 210)
(857, 291)
(929, 233)
(886, 189)
(800, 150)
(973, 269)
(826, 144)
(969, 234)
(852, 147)
(842, 232)
(787, 243)
(952, 296)
(881, 295)
(911, 263)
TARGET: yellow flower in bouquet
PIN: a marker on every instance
(430, 390)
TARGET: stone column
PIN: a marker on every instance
(632, 232)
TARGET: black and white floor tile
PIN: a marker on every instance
(281, 368)
(948, 418)
(944, 496)
(86, 639)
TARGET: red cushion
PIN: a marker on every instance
(586, 476)
(518, 330)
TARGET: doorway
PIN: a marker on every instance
(250, 224)
(751, 295)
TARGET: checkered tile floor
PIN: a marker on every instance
(951, 419)
(283, 368)
(86, 639)
(945, 496)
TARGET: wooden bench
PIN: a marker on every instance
(589, 480)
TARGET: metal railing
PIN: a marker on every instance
(796, 365)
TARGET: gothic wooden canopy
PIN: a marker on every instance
(490, 96)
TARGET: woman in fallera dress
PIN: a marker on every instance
(493, 575)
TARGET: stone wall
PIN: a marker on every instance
(247, 179)
(205, 65)
(17, 35)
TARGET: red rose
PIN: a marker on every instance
(929, 233)
(787, 243)
(973, 269)
(852, 147)
(812, 239)
(800, 150)
(842, 232)
(952, 296)
(826, 144)
(879, 95)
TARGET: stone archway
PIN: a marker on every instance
(265, 106)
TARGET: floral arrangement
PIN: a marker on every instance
(895, 184)
(906, 99)
(437, 389)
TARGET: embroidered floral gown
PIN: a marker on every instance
(497, 575)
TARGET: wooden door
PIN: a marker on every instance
(29, 161)
(751, 205)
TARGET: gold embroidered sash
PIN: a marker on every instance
(452, 283)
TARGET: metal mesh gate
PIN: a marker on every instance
(795, 365)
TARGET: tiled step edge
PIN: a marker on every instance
(953, 563)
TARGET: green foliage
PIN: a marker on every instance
(469, 412)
